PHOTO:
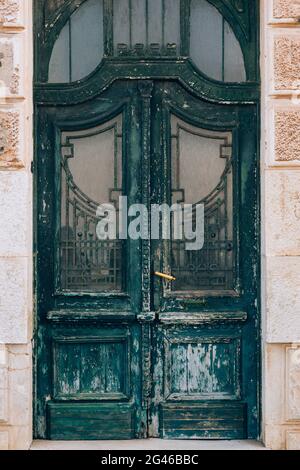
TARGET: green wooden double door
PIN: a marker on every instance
(122, 352)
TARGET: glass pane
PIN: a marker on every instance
(213, 46)
(155, 21)
(146, 26)
(234, 69)
(206, 38)
(91, 175)
(202, 174)
(172, 22)
(79, 47)
(138, 19)
(59, 67)
(121, 22)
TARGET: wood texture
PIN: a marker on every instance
(206, 421)
(91, 422)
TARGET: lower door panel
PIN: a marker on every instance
(198, 382)
(95, 387)
(224, 420)
(88, 421)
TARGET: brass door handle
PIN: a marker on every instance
(167, 277)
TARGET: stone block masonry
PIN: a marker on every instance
(16, 54)
(280, 167)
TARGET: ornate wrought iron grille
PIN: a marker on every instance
(212, 268)
(87, 263)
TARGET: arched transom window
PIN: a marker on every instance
(87, 31)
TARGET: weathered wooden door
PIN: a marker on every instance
(122, 352)
(205, 338)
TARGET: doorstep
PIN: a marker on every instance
(147, 444)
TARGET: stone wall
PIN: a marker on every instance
(280, 64)
(16, 59)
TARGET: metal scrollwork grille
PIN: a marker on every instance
(91, 174)
(202, 173)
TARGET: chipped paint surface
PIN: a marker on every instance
(178, 360)
(51, 6)
(179, 368)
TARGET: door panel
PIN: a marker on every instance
(199, 371)
(135, 98)
(93, 394)
(205, 421)
(88, 291)
(205, 346)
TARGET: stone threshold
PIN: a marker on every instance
(147, 444)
